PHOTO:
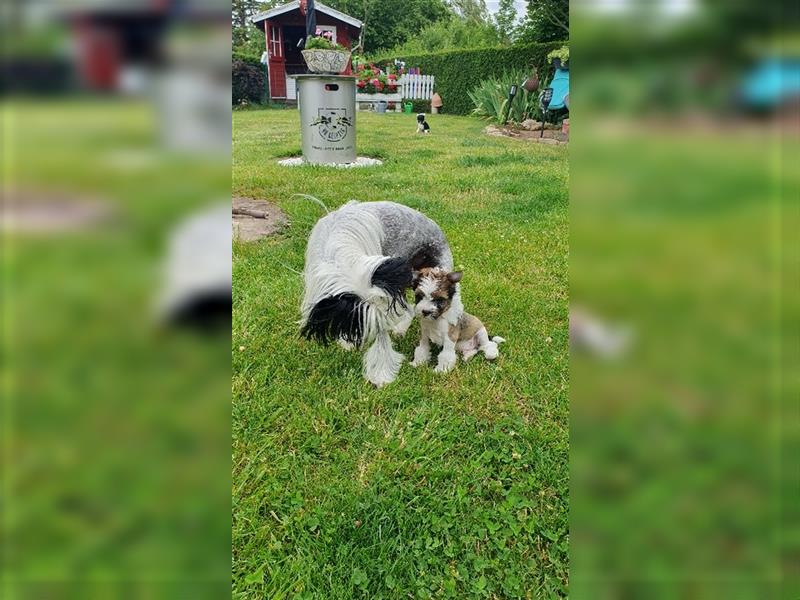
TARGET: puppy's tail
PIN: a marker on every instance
(498, 340)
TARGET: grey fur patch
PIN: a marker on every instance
(406, 232)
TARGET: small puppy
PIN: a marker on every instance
(444, 322)
(422, 124)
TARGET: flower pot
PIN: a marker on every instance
(531, 84)
(380, 106)
(326, 61)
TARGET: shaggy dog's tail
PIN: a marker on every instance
(314, 200)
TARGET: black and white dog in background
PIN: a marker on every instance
(422, 124)
(360, 260)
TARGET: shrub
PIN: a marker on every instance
(561, 54)
(491, 99)
(421, 106)
(248, 82)
(457, 72)
(250, 59)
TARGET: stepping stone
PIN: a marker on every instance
(255, 219)
(51, 211)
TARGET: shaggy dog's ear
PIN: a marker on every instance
(424, 257)
(455, 276)
(393, 276)
(336, 317)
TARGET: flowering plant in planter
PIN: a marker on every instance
(371, 80)
(323, 40)
(323, 55)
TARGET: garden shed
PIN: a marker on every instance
(284, 26)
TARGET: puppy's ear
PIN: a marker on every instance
(455, 276)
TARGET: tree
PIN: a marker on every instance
(245, 35)
(389, 23)
(546, 21)
(505, 20)
(470, 10)
(450, 34)
(241, 11)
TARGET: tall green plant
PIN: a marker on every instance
(491, 99)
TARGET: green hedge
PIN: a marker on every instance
(249, 82)
(250, 59)
(460, 71)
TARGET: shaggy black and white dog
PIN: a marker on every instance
(360, 260)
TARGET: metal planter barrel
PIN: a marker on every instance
(327, 118)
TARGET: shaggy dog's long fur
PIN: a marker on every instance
(360, 260)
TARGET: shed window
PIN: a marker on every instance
(275, 41)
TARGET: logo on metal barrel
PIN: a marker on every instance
(332, 123)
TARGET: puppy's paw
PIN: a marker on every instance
(345, 345)
(467, 354)
(447, 360)
(490, 351)
(421, 357)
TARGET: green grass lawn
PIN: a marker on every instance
(681, 480)
(110, 428)
(434, 486)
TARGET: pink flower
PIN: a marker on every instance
(361, 84)
(318, 31)
(392, 76)
(375, 81)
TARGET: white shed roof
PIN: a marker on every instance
(331, 12)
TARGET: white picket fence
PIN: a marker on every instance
(409, 87)
(416, 87)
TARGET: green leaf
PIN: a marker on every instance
(255, 577)
(359, 578)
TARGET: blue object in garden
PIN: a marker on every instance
(560, 85)
(773, 82)
(555, 97)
